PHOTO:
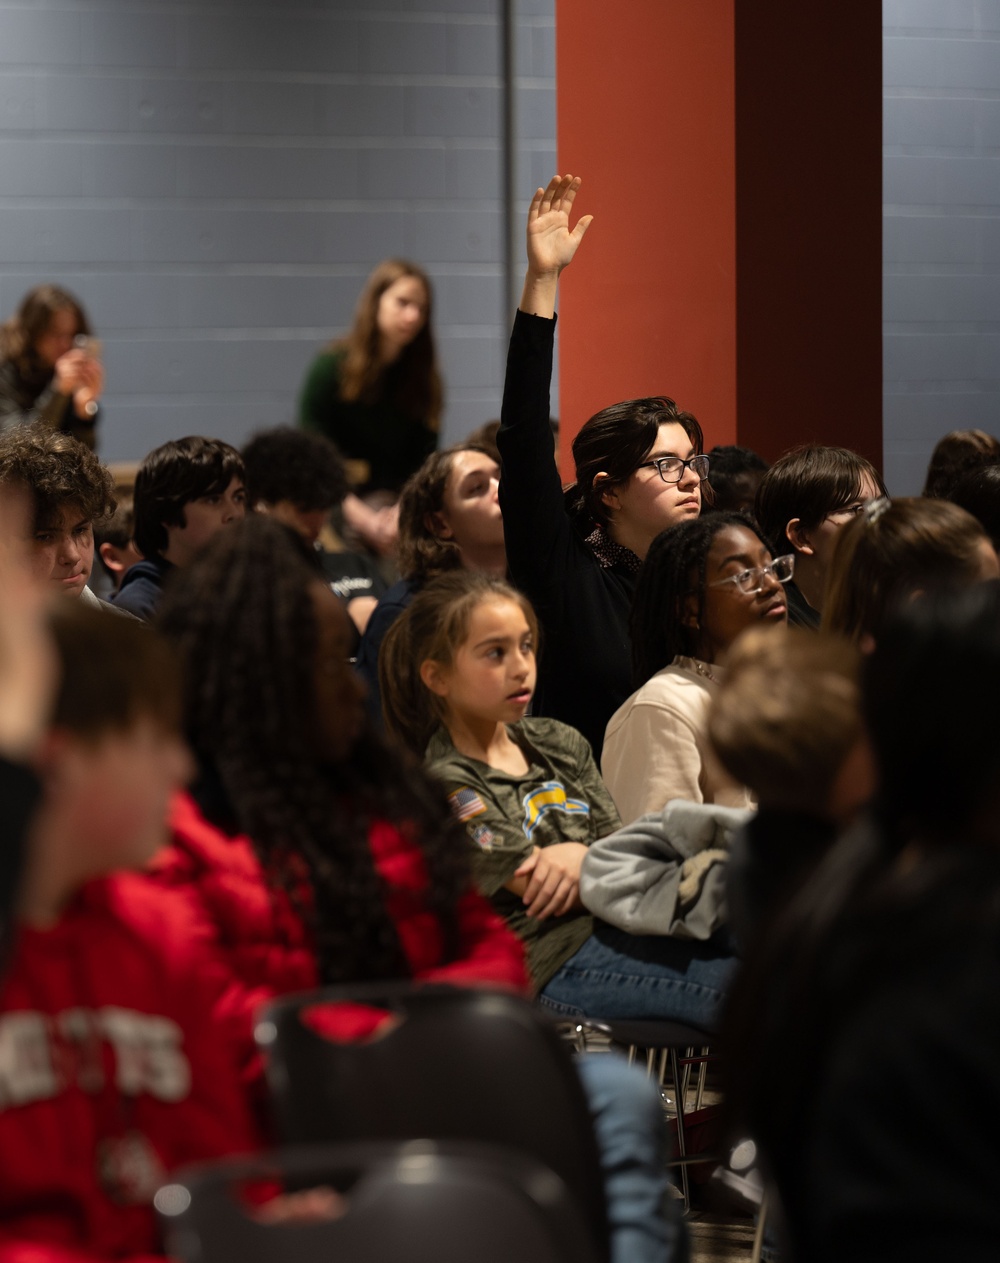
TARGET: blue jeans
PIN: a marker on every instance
(615, 974)
(645, 1223)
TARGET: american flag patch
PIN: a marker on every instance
(466, 803)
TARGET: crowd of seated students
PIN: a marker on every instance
(574, 750)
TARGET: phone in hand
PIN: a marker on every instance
(88, 345)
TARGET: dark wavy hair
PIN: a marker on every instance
(421, 553)
(415, 377)
(173, 475)
(674, 569)
(287, 463)
(243, 619)
(57, 470)
(616, 441)
(19, 335)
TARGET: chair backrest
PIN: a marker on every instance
(410, 1202)
(458, 1064)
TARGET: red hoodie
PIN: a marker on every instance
(270, 950)
(112, 1073)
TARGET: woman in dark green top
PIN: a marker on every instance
(377, 393)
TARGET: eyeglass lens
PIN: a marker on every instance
(752, 580)
(671, 468)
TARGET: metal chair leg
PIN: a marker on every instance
(758, 1238)
(702, 1077)
(675, 1071)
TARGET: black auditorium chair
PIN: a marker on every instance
(476, 1065)
(408, 1202)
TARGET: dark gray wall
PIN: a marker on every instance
(942, 227)
(215, 180)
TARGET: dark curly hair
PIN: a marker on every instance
(421, 553)
(173, 475)
(243, 618)
(297, 465)
(57, 470)
(673, 569)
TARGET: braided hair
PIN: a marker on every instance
(674, 569)
(243, 618)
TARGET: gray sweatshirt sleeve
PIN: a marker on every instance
(664, 873)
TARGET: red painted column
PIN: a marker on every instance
(645, 94)
(731, 155)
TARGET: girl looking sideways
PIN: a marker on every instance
(639, 469)
(458, 673)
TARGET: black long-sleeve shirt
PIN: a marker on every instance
(584, 671)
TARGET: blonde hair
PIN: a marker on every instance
(786, 714)
(433, 628)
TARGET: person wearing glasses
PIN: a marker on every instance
(702, 584)
(640, 468)
(803, 502)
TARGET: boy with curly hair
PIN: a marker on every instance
(69, 491)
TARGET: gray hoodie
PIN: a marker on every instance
(664, 873)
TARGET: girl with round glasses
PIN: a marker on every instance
(702, 584)
(639, 469)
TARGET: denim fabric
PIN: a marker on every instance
(615, 974)
(645, 1221)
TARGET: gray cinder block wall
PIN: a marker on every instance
(942, 228)
(215, 181)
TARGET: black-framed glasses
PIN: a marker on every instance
(750, 581)
(671, 468)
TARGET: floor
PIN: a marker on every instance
(717, 1239)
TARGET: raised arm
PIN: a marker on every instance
(551, 243)
(539, 536)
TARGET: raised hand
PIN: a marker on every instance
(551, 242)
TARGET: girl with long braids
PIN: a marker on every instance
(320, 854)
(703, 582)
(317, 851)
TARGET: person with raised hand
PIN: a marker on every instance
(639, 469)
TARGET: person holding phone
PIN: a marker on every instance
(50, 367)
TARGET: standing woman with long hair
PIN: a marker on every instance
(49, 371)
(377, 392)
(639, 469)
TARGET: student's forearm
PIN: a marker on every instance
(538, 298)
